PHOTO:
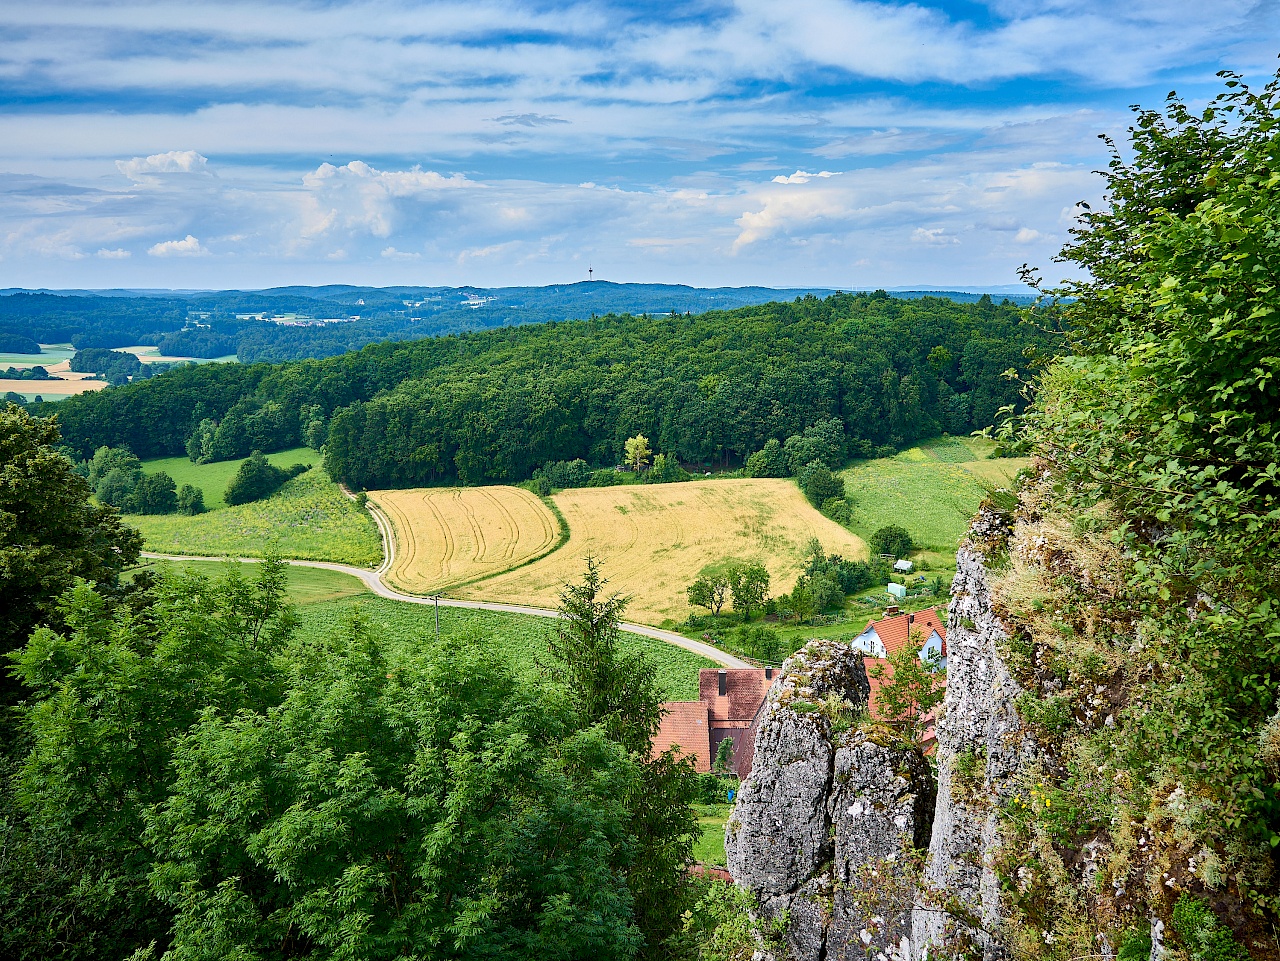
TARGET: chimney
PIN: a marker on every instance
(768, 674)
(911, 619)
(724, 682)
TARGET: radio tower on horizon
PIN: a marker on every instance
(589, 273)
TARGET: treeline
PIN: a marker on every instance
(495, 406)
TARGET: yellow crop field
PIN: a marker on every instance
(652, 540)
(450, 536)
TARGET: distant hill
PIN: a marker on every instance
(291, 323)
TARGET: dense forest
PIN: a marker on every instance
(494, 406)
(244, 323)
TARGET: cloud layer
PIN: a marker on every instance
(838, 142)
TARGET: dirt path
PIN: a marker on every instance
(373, 581)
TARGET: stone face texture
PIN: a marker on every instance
(979, 720)
(821, 807)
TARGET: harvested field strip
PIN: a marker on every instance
(446, 537)
(654, 540)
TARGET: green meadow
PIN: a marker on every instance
(308, 518)
(932, 490)
(325, 601)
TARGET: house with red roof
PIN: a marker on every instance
(730, 702)
(729, 706)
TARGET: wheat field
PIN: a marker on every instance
(652, 540)
(446, 537)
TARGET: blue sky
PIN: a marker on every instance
(831, 143)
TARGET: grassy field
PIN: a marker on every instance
(213, 478)
(325, 600)
(49, 355)
(653, 540)
(932, 490)
(306, 585)
(521, 639)
(708, 848)
(308, 518)
(446, 537)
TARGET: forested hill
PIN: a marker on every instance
(293, 323)
(493, 406)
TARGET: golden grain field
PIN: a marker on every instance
(654, 539)
(449, 536)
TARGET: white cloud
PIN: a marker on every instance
(1027, 236)
(187, 247)
(803, 177)
(390, 253)
(118, 253)
(933, 236)
(171, 162)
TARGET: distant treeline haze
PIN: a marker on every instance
(494, 406)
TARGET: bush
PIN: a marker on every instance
(257, 479)
(605, 478)
(838, 509)
(768, 461)
(819, 484)
(893, 540)
(823, 442)
(564, 473)
(154, 494)
(666, 470)
(1202, 934)
(190, 500)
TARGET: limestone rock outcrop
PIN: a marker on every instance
(981, 749)
(818, 830)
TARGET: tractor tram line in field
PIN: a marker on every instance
(372, 579)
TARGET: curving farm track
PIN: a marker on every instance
(373, 580)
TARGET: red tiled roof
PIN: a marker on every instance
(687, 724)
(893, 631)
(745, 691)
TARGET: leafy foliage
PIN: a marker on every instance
(911, 687)
(1146, 585)
(820, 484)
(892, 539)
(49, 532)
(256, 479)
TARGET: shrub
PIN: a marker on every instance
(666, 470)
(154, 494)
(819, 484)
(190, 500)
(257, 479)
(768, 461)
(823, 442)
(1202, 934)
(838, 509)
(564, 473)
(605, 478)
(892, 539)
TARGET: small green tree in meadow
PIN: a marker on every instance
(892, 539)
(709, 591)
(637, 453)
(820, 484)
(749, 585)
(768, 461)
(257, 478)
(190, 500)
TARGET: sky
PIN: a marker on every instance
(835, 143)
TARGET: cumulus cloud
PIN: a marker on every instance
(172, 162)
(803, 177)
(189, 246)
(933, 236)
(390, 253)
(1027, 236)
(119, 253)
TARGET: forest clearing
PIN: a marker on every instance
(653, 540)
(447, 537)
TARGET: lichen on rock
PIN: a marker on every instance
(820, 828)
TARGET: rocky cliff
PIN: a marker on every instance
(981, 749)
(820, 828)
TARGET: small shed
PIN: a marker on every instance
(896, 590)
(903, 566)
